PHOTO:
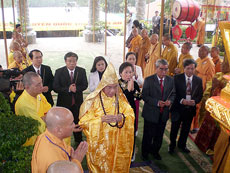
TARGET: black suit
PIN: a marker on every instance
(154, 119)
(181, 113)
(47, 80)
(61, 84)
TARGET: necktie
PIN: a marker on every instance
(38, 72)
(72, 81)
(162, 90)
(188, 88)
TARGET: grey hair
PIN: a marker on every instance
(161, 62)
(27, 78)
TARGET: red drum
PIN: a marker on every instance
(186, 10)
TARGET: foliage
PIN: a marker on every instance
(14, 130)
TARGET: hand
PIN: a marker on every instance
(119, 118)
(161, 104)
(45, 89)
(72, 88)
(19, 86)
(185, 102)
(191, 103)
(177, 71)
(136, 49)
(77, 128)
(109, 118)
(167, 103)
(80, 152)
(130, 86)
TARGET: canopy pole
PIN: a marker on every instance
(161, 24)
(24, 5)
(13, 8)
(20, 12)
(148, 11)
(4, 33)
(105, 27)
(93, 21)
(170, 18)
(124, 30)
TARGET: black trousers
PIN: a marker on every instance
(152, 137)
(185, 122)
(75, 111)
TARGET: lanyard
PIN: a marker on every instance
(60, 148)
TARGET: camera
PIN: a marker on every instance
(10, 73)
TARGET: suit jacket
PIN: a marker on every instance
(179, 109)
(62, 82)
(47, 80)
(151, 95)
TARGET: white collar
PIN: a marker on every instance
(186, 77)
(160, 78)
(71, 71)
(36, 69)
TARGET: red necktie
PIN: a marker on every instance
(188, 88)
(162, 90)
(38, 72)
(72, 81)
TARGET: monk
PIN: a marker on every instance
(135, 44)
(185, 54)
(205, 70)
(216, 58)
(63, 166)
(18, 61)
(15, 46)
(145, 45)
(170, 53)
(50, 145)
(200, 27)
(32, 103)
(107, 120)
(152, 56)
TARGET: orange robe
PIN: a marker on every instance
(145, 45)
(217, 62)
(14, 64)
(135, 44)
(181, 59)
(200, 26)
(170, 53)
(45, 152)
(154, 55)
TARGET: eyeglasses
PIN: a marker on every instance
(164, 69)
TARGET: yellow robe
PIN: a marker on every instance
(20, 66)
(11, 57)
(45, 153)
(154, 55)
(200, 26)
(205, 70)
(181, 59)
(217, 62)
(145, 45)
(135, 44)
(221, 163)
(109, 148)
(170, 53)
(35, 108)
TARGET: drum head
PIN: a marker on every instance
(176, 9)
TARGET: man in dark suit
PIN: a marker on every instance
(69, 82)
(189, 92)
(158, 95)
(44, 71)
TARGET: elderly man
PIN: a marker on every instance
(156, 22)
(63, 166)
(32, 103)
(158, 95)
(18, 61)
(216, 58)
(152, 56)
(200, 27)
(185, 54)
(50, 146)
(189, 93)
(135, 44)
(107, 120)
(69, 82)
(170, 53)
(15, 46)
(44, 71)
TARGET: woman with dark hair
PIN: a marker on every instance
(98, 68)
(131, 90)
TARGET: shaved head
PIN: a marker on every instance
(144, 33)
(154, 39)
(63, 166)
(57, 116)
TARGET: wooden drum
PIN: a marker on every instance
(186, 10)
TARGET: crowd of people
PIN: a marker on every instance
(169, 86)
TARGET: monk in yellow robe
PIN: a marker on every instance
(32, 103)
(205, 70)
(170, 53)
(107, 120)
(145, 45)
(216, 58)
(18, 61)
(185, 54)
(135, 44)
(50, 146)
(200, 27)
(15, 46)
(152, 56)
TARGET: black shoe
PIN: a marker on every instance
(157, 156)
(184, 150)
(170, 150)
(144, 157)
